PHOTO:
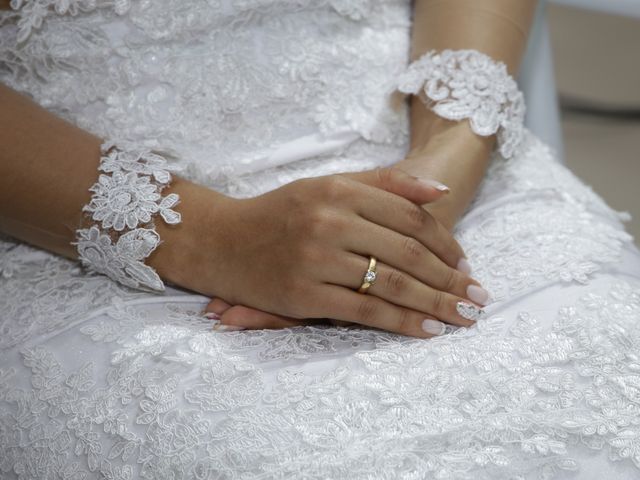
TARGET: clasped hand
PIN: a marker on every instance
(299, 253)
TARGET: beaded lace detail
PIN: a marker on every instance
(467, 84)
(126, 197)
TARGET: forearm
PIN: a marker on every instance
(456, 157)
(47, 166)
(448, 150)
(498, 28)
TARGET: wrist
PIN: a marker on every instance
(454, 155)
(430, 132)
(471, 86)
(179, 258)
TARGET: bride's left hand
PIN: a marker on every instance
(239, 317)
(453, 155)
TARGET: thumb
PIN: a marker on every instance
(395, 180)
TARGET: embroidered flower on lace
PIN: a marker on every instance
(126, 199)
(196, 100)
(140, 161)
(459, 84)
(121, 261)
(123, 200)
(455, 407)
(354, 9)
(35, 11)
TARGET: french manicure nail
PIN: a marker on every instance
(433, 327)
(212, 316)
(477, 294)
(435, 184)
(464, 266)
(470, 311)
(221, 327)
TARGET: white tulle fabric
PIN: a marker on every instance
(101, 381)
(469, 85)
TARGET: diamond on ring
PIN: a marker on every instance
(370, 276)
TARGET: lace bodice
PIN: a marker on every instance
(231, 86)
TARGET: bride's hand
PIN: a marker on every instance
(449, 151)
(417, 258)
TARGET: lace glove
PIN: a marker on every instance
(125, 199)
(461, 84)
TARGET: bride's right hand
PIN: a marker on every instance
(301, 251)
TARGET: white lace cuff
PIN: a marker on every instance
(125, 199)
(467, 84)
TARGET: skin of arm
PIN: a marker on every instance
(446, 150)
(47, 166)
(58, 162)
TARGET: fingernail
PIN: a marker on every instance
(221, 327)
(477, 294)
(212, 315)
(435, 184)
(470, 311)
(433, 327)
(464, 266)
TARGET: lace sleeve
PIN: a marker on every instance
(125, 200)
(467, 84)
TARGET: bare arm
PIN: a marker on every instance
(441, 149)
(236, 248)
(46, 168)
(447, 150)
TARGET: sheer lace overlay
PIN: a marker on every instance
(98, 380)
(125, 199)
(467, 84)
(227, 85)
(514, 396)
(395, 407)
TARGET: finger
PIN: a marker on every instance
(397, 181)
(340, 323)
(370, 310)
(252, 319)
(217, 306)
(398, 214)
(409, 255)
(406, 291)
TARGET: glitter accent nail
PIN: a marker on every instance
(470, 311)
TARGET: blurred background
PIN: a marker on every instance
(597, 70)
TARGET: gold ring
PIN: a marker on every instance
(369, 276)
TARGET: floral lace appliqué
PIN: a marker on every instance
(511, 398)
(126, 196)
(467, 84)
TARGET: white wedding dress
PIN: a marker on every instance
(100, 381)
